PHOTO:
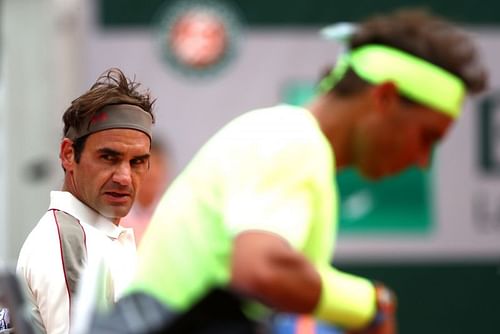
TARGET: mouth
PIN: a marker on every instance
(117, 197)
(117, 194)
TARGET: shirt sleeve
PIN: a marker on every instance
(50, 265)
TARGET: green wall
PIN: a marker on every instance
(441, 298)
(116, 13)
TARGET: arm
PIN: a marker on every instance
(50, 264)
(283, 203)
(46, 291)
(265, 267)
(385, 318)
(52, 302)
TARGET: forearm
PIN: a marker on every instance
(50, 305)
(268, 269)
(293, 287)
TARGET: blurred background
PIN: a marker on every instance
(433, 236)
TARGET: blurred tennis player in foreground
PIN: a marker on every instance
(252, 219)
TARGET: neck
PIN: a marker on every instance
(337, 117)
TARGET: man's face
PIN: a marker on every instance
(389, 142)
(109, 173)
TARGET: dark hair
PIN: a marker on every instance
(112, 87)
(424, 35)
(78, 146)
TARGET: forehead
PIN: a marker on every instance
(121, 140)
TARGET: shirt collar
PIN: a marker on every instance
(67, 202)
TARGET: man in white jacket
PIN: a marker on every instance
(105, 154)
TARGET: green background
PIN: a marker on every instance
(115, 13)
(441, 298)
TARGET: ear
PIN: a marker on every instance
(385, 96)
(67, 154)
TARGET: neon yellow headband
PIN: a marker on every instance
(415, 78)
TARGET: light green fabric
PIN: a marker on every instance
(269, 169)
(346, 300)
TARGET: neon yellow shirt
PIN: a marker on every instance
(269, 169)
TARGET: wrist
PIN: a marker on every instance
(346, 300)
(385, 301)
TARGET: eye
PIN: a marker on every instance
(108, 157)
(139, 163)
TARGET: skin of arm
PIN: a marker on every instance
(265, 267)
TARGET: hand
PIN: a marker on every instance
(385, 319)
(387, 326)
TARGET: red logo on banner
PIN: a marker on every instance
(198, 39)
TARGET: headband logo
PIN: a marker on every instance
(100, 117)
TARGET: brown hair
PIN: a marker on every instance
(424, 35)
(112, 87)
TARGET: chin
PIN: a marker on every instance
(115, 214)
(371, 175)
(376, 177)
(376, 174)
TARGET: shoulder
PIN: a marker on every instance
(266, 127)
(45, 238)
(45, 228)
(279, 114)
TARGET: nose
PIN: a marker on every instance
(123, 174)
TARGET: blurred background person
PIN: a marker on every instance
(153, 185)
